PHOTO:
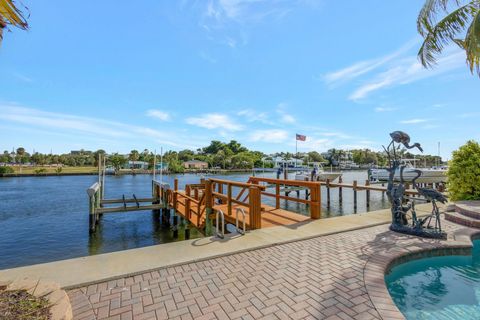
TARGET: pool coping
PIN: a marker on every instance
(381, 264)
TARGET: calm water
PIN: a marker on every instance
(438, 288)
(46, 218)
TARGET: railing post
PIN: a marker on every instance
(277, 196)
(229, 199)
(367, 193)
(340, 194)
(187, 208)
(175, 184)
(220, 190)
(315, 201)
(328, 193)
(355, 196)
(208, 207)
(255, 211)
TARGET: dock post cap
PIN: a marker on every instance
(93, 189)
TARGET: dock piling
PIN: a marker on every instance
(367, 193)
(328, 193)
(355, 196)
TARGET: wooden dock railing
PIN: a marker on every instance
(314, 189)
(237, 193)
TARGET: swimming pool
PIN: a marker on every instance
(446, 287)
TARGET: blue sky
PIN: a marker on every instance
(177, 74)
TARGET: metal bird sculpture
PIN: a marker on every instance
(404, 138)
(433, 196)
(428, 193)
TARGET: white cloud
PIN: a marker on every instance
(384, 109)
(83, 127)
(363, 67)
(159, 114)
(215, 121)
(406, 71)
(22, 77)
(285, 117)
(255, 116)
(227, 21)
(414, 121)
(271, 136)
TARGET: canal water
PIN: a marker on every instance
(44, 219)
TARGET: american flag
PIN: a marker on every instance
(301, 137)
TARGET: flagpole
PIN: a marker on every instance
(296, 150)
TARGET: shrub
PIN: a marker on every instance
(4, 170)
(464, 173)
(40, 171)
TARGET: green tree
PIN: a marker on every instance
(314, 156)
(134, 155)
(460, 25)
(96, 155)
(185, 155)
(236, 147)
(117, 161)
(5, 157)
(464, 173)
(214, 147)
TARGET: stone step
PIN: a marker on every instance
(462, 219)
(468, 208)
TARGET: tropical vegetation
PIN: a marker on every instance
(464, 172)
(443, 22)
(10, 15)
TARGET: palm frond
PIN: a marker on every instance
(11, 15)
(430, 9)
(472, 44)
(437, 36)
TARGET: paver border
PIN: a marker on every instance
(381, 263)
(221, 255)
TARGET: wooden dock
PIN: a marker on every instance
(212, 203)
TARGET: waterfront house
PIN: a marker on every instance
(195, 164)
(136, 165)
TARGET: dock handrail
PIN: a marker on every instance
(217, 233)
(313, 186)
(242, 211)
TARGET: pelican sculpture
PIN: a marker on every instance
(404, 138)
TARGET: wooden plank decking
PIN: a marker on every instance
(270, 216)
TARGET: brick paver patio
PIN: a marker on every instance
(320, 278)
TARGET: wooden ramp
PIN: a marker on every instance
(270, 216)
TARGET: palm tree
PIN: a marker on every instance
(11, 15)
(462, 21)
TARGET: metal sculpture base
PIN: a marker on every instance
(419, 232)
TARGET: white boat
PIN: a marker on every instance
(434, 175)
(320, 175)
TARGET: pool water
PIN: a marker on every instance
(438, 288)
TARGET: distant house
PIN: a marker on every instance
(161, 166)
(195, 164)
(281, 162)
(136, 165)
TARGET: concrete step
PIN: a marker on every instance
(468, 208)
(462, 219)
